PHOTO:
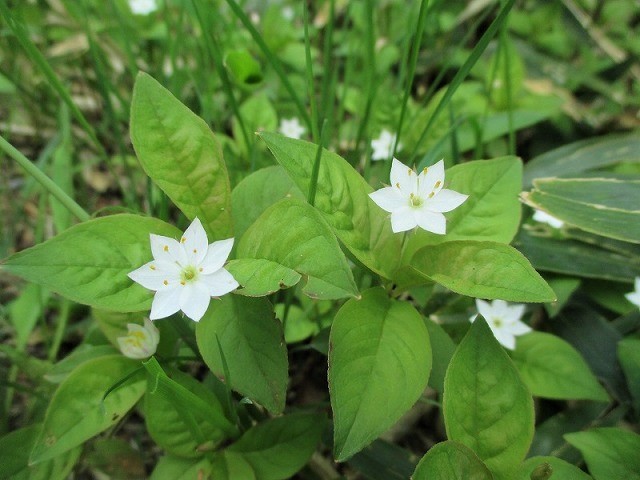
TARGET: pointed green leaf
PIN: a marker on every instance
(451, 461)
(486, 405)
(343, 199)
(79, 409)
(175, 468)
(260, 277)
(294, 235)
(253, 346)
(629, 357)
(552, 368)
(89, 262)
(609, 452)
(379, 364)
(179, 152)
(482, 270)
(560, 469)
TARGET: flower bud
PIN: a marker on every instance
(140, 341)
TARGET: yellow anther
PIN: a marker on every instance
(166, 248)
(424, 170)
(438, 183)
(200, 269)
(398, 184)
(165, 282)
(152, 267)
(410, 171)
(195, 250)
(431, 194)
(183, 239)
(182, 282)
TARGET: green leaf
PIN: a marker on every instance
(260, 277)
(275, 449)
(258, 115)
(379, 364)
(115, 458)
(482, 270)
(183, 416)
(26, 310)
(552, 368)
(486, 405)
(343, 199)
(492, 211)
(244, 69)
(83, 353)
(451, 461)
(605, 206)
(178, 151)
(629, 357)
(609, 452)
(253, 347)
(175, 468)
(561, 469)
(294, 235)
(14, 458)
(89, 262)
(257, 192)
(79, 409)
(443, 349)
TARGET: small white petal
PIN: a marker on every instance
(431, 221)
(217, 254)
(153, 331)
(219, 283)
(152, 275)
(634, 297)
(432, 180)
(403, 219)
(445, 201)
(194, 300)
(388, 198)
(506, 340)
(165, 303)
(484, 308)
(516, 312)
(517, 328)
(500, 308)
(544, 217)
(167, 249)
(195, 242)
(403, 176)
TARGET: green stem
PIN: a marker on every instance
(69, 203)
(310, 86)
(316, 166)
(61, 326)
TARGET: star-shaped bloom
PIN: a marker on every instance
(140, 341)
(143, 7)
(383, 145)
(634, 297)
(417, 200)
(185, 274)
(291, 128)
(504, 320)
(544, 217)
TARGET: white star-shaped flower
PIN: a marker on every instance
(383, 145)
(544, 217)
(185, 274)
(504, 320)
(140, 341)
(634, 297)
(291, 128)
(417, 200)
(143, 7)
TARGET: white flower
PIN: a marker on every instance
(417, 200)
(634, 297)
(186, 274)
(288, 13)
(504, 320)
(140, 341)
(143, 7)
(291, 128)
(544, 217)
(383, 145)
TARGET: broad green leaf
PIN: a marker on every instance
(609, 452)
(605, 206)
(451, 461)
(178, 151)
(260, 277)
(379, 364)
(254, 194)
(576, 258)
(583, 156)
(560, 469)
(482, 270)
(492, 211)
(383, 460)
(443, 348)
(552, 368)
(79, 409)
(273, 450)
(14, 458)
(486, 405)
(294, 235)
(253, 347)
(258, 115)
(343, 199)
(183, 416)
(629, 357)
(89, 262)
(80, 355)
(175, 468)
(25, 311)
(245, 70)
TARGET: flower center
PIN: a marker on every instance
(497, 322)
(188, 274)
(415, 200)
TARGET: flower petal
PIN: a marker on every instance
(402, 220)
(388, 199)
(219, 283)
(484, 308)
(195, 242)
(165, 303)
(152, 275)
(403, 178)
(506, 340)
(517, 328)
(431, 179)
(194, 300)
(515, 312)
(167, 249)
(633, 297)
(217, 254)
(431, 221)
(445, 201)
